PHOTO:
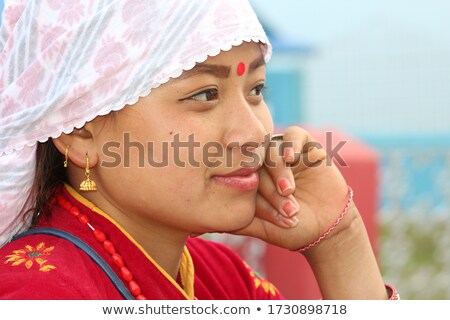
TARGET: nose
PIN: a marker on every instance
(245, 129)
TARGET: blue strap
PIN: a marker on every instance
(126, 294)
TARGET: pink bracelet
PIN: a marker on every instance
(392, 292)
(312, 244)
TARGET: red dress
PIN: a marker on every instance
(47, 267)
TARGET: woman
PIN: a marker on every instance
(155, 112)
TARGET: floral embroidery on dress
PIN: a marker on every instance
(260, 282)
(29, 255)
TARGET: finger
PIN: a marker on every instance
(307, 152)
(287, 150)
(265, 211)
(284, 205)
(271, 232)
(312, 156)
(278, 170)
(294, 140)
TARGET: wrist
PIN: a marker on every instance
(344, 237)
(344, 264)
(334, 225)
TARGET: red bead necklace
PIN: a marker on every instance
(135, 289)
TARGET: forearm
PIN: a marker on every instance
(344, 263)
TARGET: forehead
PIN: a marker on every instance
(248, 54)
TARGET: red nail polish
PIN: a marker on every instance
(289, 154)
(284, 184)
(289, 208)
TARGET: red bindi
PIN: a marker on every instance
(240, 69)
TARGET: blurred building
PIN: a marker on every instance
(382, 83)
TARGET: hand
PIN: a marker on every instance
(343, 263)
(301, 193)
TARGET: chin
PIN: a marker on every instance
(234, 217)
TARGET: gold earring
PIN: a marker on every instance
(88, 184)
(66, 161)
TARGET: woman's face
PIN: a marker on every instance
(170, 160)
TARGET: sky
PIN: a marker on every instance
(379, 64)
(319, 21)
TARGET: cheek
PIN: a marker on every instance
(160, 193)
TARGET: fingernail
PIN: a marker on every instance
(284, 184)
(289, 154)
(289, 208)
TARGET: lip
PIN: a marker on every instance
(241, 172)
(243, 179)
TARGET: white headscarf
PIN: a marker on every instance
(65, 62)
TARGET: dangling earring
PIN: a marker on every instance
(66, 161)
(88, 184)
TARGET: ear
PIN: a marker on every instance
(78, 144)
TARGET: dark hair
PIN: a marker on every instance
(49, 175)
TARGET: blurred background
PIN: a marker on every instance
(377, 72)
(377, 75)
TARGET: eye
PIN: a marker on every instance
(206, 95)
(258, 90)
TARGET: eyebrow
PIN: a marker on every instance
(216, 70)
(219, 71)
(258, 62)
